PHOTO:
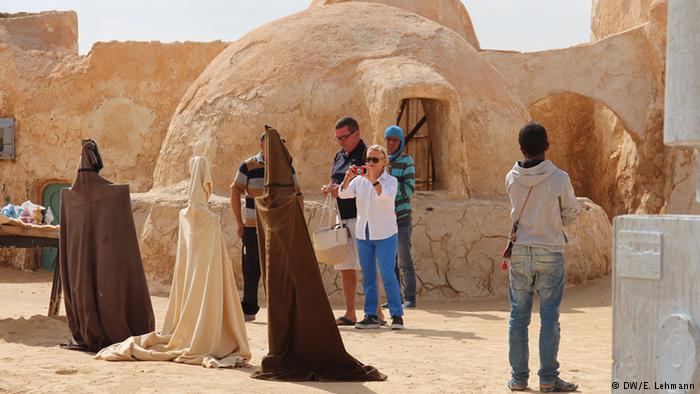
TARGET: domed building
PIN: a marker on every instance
(409, 62)
(449, 13)
(390, 65)
(303, 72)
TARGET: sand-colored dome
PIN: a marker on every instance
(449, 13)
(303, 72)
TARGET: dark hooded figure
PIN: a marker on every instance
(104, 285)
(304, 341)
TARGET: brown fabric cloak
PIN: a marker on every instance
(304, 341)
(104, 286)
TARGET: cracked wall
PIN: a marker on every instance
(456, 244)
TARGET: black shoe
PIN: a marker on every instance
(397, 323)
(385, 305)
(409, 304)
(368, 322)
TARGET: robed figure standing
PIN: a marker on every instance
(304, 341)
(104, 285)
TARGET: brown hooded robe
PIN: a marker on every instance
(304, 341)
(104, 285)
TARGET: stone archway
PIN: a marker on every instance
(590, 142)
(615, 71)
(403, 79)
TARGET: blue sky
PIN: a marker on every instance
(523, 25)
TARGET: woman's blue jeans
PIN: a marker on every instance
(535, 269)
(380, 253)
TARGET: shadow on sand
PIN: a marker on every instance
(592, 294)
(12, 275)
(340, 387)
(36, 331)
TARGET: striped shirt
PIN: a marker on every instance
(403, 169)
(250, 181)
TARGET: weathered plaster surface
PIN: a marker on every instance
(449, 13)
(456, 244)
(289, 75)
(614, 71)
(122, 94)
(49, 31)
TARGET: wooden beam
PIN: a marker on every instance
(48, 232)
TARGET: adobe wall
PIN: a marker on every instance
(607, 96)
(610, 17)
(50, 31)
(122, 94)
(456, 244)
(671, 171)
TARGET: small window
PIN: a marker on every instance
(7, 139)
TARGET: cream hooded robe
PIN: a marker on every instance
(204, 322)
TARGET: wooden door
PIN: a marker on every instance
(52, 199)
(419, 147)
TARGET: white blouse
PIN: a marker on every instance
(377, 211)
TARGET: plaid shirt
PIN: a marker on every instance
(250, 181)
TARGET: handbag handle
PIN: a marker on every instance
(327, 208)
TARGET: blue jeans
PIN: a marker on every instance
(535, 269)
(406, 262)
(383, 253)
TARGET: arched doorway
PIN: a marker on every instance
(590, 142)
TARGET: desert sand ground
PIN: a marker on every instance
(448, 347)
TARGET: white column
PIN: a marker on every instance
(682, 112)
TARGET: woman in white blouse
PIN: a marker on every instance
(376, 232)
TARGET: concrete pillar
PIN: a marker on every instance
(682, 110)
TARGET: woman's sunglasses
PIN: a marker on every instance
(374, 160)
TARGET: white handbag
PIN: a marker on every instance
(330, 242)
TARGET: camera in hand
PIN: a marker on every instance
(359, 170)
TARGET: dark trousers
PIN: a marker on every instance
(404, 261)
(251, 271)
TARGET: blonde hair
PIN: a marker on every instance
(378, 148)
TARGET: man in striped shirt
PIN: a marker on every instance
(402, 168)
(250, 182)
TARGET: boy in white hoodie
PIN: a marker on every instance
(543, 201)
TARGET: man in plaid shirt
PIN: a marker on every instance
(250, 182)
